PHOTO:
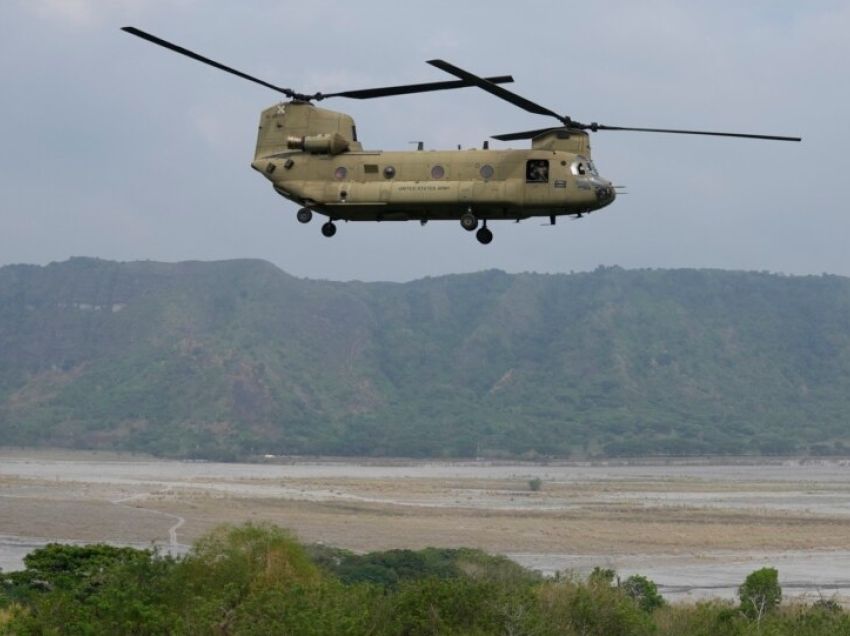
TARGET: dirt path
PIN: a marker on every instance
(173, 543)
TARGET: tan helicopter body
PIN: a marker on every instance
(312, 157)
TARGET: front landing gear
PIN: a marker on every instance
(305, 215)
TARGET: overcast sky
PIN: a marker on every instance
(114, 148)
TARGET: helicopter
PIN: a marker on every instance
(312, 157)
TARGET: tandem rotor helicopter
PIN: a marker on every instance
(312, 157)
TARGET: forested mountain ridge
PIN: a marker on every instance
(227, 359)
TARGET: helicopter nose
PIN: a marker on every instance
(605, 194)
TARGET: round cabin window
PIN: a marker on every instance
(340, 173)
(389, 172)
(487, 171)
(438, 172)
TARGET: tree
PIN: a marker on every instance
(644, 592)
(95, 589)
(602, 576)
(591, 608)
(760, 593)
(77, 569)
(228, 566)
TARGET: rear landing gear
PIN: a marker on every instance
(305, 215)
(469, 221)
(329, 229)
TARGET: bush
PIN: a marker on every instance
(760, 593)
(644, 592)
(592, 608)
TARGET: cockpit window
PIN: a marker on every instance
(583, 166)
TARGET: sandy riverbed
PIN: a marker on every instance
(697, 529)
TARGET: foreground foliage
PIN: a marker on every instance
(257, 579)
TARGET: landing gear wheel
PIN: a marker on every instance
(329, 229)
(305, 215)
(469, 221)
(484, 236)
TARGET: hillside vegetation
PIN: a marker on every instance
(230, 359)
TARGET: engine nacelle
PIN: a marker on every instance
(324, 144)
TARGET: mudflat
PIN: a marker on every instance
(696, 527)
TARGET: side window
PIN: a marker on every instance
(537, 171)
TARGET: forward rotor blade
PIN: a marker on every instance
(200, 58)
(407, 89)
(368, 93)
(498, 91)
(595, 127)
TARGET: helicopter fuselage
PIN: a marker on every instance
(439, 185)
(317, 163)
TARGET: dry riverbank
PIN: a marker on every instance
(696, 528)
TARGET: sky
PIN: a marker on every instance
(114, 148)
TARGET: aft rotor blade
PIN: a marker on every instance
(595, 127)
(408, 89)
(200, 58)
(527, 134)
(498, 91)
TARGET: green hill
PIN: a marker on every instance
(228, 359)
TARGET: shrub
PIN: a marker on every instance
(760, 593)
(644, 592)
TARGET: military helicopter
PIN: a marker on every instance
(313, 158)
